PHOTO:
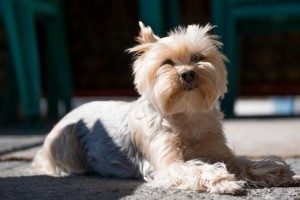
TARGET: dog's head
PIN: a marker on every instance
(183, 72)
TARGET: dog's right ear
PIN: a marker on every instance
(146, 35)
(146, 39)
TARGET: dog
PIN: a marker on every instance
(172, 134)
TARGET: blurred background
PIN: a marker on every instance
(55, 55)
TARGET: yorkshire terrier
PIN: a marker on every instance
(172, 134)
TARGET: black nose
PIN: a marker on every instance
(188, 76)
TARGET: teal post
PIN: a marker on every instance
(160, 15)
(222, 18)
(151, 14)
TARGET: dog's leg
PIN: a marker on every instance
(197, 175)
(171, 170)
(61, 154)
(266, 173)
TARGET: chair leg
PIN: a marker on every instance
(11, 96)
(52, 87)
(52, 83)
(16, 55)
(31, 55)
(61, 70)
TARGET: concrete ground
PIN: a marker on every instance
(256, 138)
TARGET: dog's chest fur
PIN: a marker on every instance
(197, 136)
(188, 137)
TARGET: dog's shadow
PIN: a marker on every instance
(70, 187)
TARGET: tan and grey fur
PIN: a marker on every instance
(172, 135)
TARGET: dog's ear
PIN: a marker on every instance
(146, 35)
(146, 39)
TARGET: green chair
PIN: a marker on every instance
(235, 17)
(19, 17)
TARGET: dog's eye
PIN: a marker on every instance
(197, 58)
(168, 62)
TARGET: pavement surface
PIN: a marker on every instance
(255, 138)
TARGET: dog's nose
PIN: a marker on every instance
(188, 76)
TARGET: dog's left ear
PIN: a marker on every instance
(146, 39)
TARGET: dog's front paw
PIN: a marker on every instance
(227, 187)
(217, 180)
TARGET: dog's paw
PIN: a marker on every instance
(296, 179)
(227, 187)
